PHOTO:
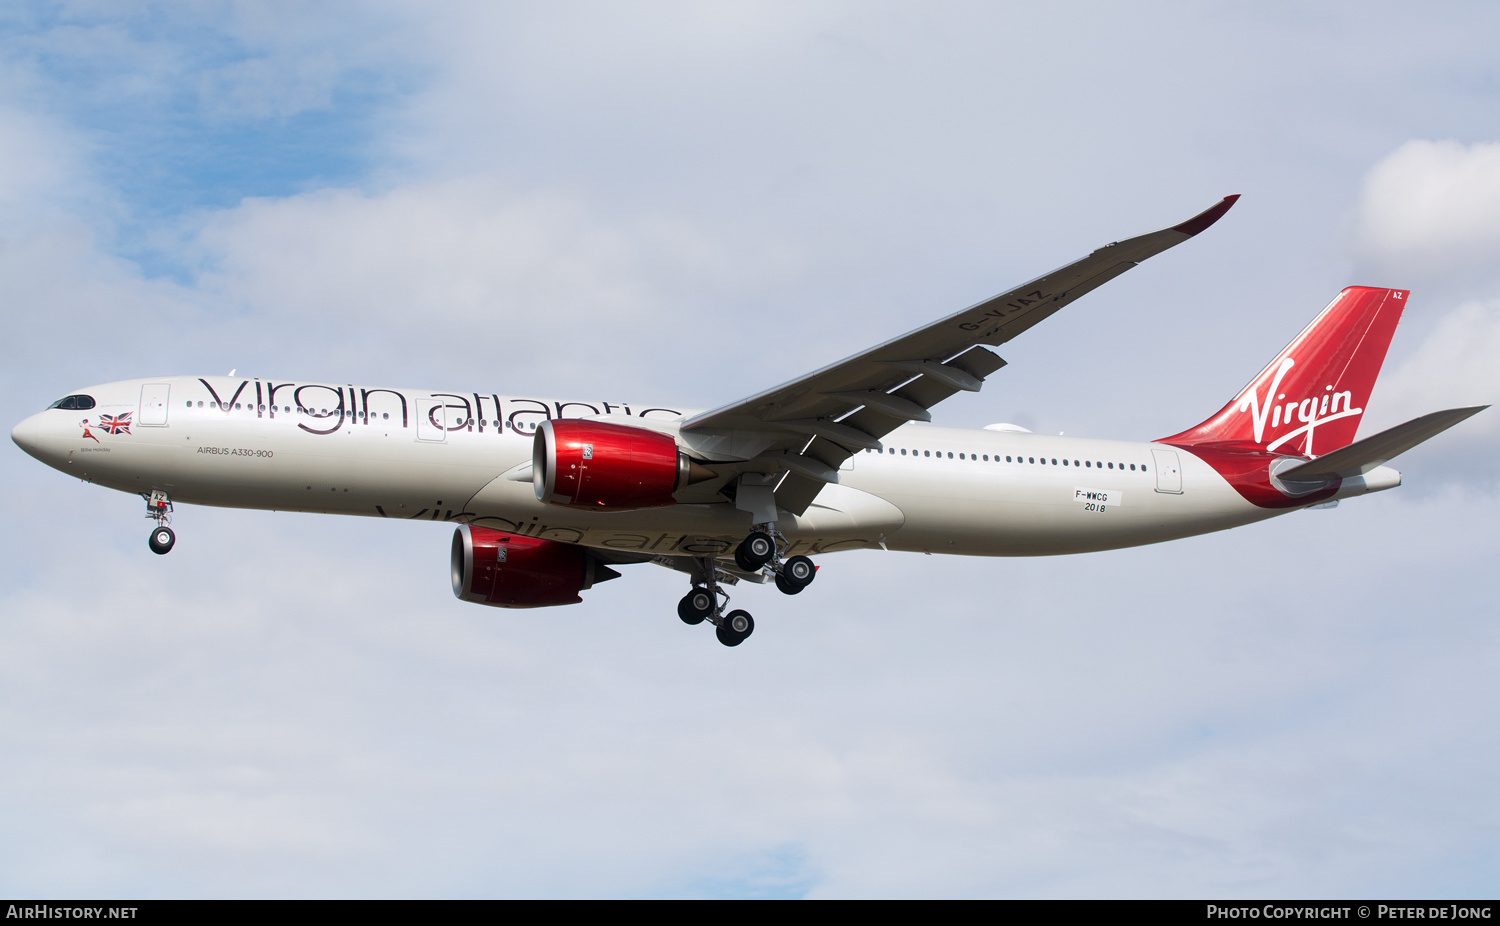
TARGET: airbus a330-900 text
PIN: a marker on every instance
(550, 496)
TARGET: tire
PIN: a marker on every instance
(754, 551)
(788, 587)
(696, 605)
(161, 541)
(799, 571)
(740, 623)
(728, 635)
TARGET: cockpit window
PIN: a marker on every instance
(74, 402)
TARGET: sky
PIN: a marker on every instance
(688, 203)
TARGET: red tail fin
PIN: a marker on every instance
(1310, 399)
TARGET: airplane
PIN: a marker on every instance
(548, 495)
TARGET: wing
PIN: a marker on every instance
(807, 427)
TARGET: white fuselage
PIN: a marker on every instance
(376, 452)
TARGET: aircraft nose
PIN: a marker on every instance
(25, 435)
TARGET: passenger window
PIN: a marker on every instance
(927, 453)
(1031, 459)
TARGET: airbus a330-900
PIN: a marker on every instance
(550, 495)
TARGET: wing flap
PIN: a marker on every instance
(925, 392)
(796, 493)
(978, 361)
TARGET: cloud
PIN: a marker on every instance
(296, 704)
(1454, 366)
(42, 174)
(1457, 364)
(1433, 206)
(472, 268)
(1429, 214)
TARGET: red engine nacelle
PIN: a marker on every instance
(506, 570)
(599, 466)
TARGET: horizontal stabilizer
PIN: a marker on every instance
(1362, 456)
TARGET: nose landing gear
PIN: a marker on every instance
(159, 509)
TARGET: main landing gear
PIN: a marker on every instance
(760, 551)
(763, 548)
(706, 602)
(159, 509)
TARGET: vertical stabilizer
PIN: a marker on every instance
(1309, 400)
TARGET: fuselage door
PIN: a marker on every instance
(430, 424)
(1168, 472)
(153, 410)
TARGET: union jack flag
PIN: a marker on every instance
(113, 424)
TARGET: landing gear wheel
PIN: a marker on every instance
(161, 540)
(755, 551)
(795, 574)
(736, 627)
(696, 605)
